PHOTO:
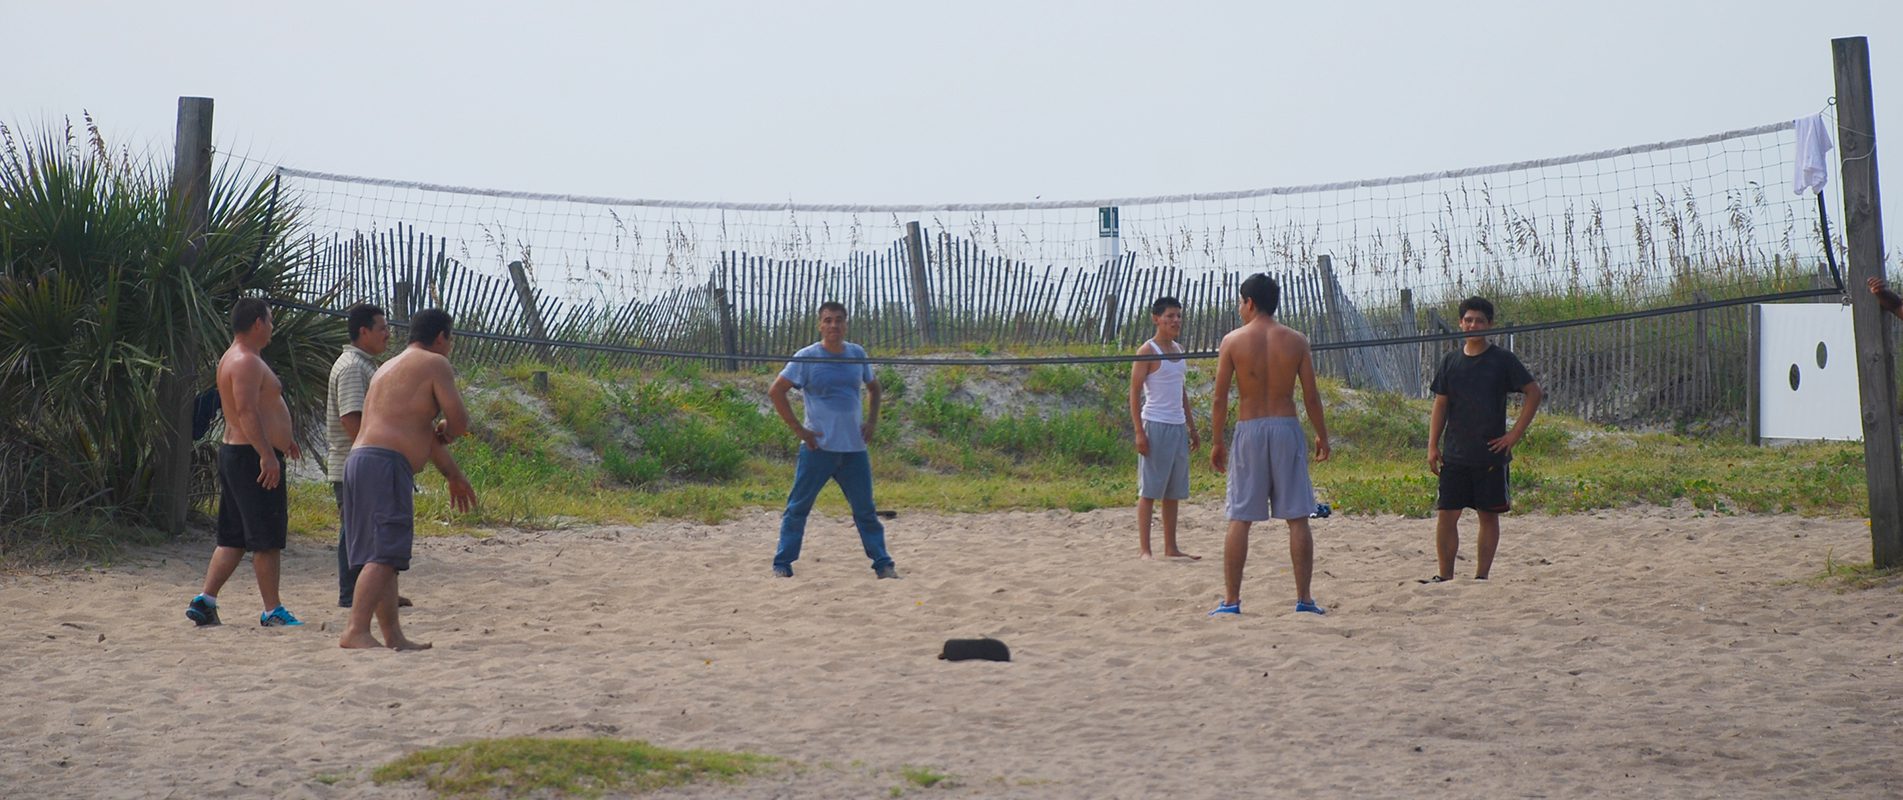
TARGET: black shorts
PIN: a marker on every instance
(1483, 488)
(250, 516)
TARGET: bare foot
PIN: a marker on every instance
(364, 642)
(1181, 554)
(405, 645)
(1145, 555)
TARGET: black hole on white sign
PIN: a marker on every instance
(1823, 355)
(1793, 377)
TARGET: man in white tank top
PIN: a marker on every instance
(1165, 429)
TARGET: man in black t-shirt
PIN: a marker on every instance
(1470, 407)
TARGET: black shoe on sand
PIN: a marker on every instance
(202, 612)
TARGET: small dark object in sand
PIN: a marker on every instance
(975, 650)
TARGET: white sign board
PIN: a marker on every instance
(1807, 373)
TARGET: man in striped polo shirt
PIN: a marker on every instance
(343, 415)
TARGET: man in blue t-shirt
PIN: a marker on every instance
(832, 439)
(1470, 405)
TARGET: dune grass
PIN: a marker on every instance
(629, 447)
(1857, 576)
(536, 767)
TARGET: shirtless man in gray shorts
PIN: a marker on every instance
(398, 435)
(1268, 475)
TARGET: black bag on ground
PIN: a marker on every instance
(975, 650)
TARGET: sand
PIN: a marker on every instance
(1648, 652)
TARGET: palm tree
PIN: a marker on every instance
(95, 306)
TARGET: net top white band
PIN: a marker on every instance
(1048, 204)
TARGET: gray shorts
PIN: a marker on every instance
(1268, 471)
(1164, 473)
(379, 507)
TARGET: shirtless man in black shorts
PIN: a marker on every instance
(253, 512)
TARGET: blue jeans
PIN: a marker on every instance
(853, 473)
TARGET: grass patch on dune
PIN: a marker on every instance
(1854, 576)
(528, 766)
(88, 537)
(924, 777)
(610, 447)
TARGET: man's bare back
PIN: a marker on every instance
(1263, 360)
(404, 399)
(1266, 358)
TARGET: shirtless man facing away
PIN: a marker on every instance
(253, 508)
(1268, 476)
(398, 435)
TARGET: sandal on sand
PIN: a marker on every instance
(1309, 607)
(1435, 579)
(1223, 608)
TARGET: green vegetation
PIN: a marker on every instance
(97, 313)
(527, 766)
(925, 777)
(628, 447)
(1857, 576)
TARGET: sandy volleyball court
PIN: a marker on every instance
(1639, 653)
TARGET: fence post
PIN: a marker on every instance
(178, 386)
(921, 296)
(1701, 353)
(728, 339)
(400, 304)
(1331, 300)
(521, 278)
(1752, 418)
(1863, 234)
(1409, 327)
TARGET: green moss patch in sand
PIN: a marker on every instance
(522, 766)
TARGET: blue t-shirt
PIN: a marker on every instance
(832, 395)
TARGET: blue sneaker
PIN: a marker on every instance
(1309, 607)
(203, 611)
(279, 617)
(1227, 608)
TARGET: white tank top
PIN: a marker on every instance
(1163, 389)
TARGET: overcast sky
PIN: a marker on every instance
(935, 102)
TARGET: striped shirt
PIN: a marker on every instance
(349, 382)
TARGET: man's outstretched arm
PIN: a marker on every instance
(1886, 298)
(462, 495)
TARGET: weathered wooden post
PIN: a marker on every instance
(1753, 415)
(729, 341)
(1863, 233)
(1331, 321)
(1701, 354)
(178, 386)
(400, 302)
(921, 296)
(533, 315)
(1410, 327)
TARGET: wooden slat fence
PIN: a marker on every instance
(1671, 368)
